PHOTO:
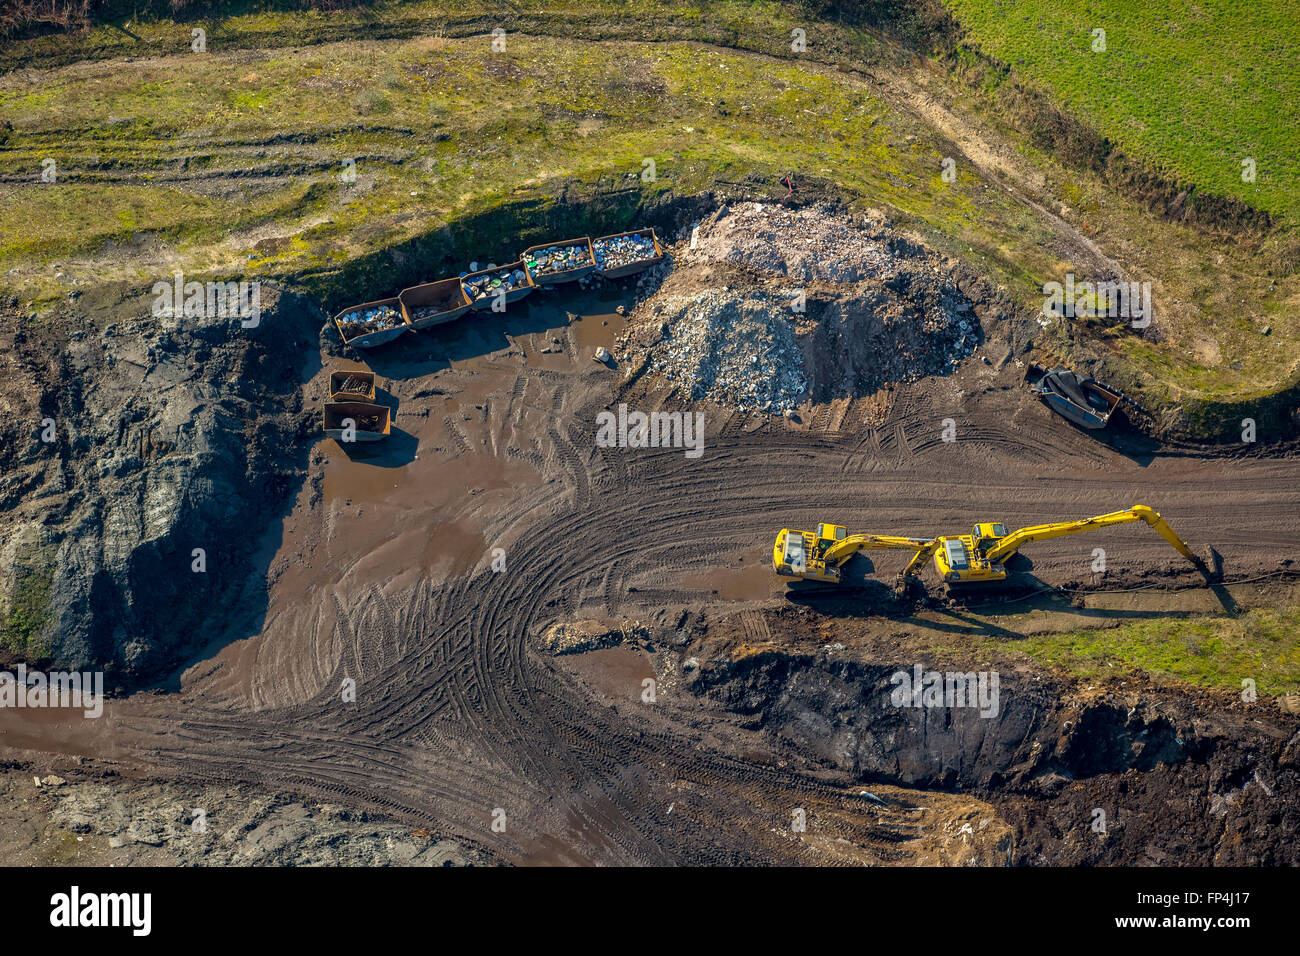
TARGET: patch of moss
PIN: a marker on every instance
(25, 614)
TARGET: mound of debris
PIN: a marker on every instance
(828, 305)
(734, 348)
(814, 243)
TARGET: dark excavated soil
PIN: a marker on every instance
(382, 573)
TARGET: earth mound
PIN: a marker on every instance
(766, 307)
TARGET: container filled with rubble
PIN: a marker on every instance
(357, 421)
(504, 284)
(371, 324)
(433, 303)
(626, 253)
(352, 386)
(557, 262)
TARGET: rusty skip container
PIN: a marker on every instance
(433, 303)
(369, 421)
(352, 386)
(371, 323)
(481, 282)
(621, 241)
(554, 262)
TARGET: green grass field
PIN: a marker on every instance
(1192, 89)
(437, 130)
(1212, 651)
(1219, 652)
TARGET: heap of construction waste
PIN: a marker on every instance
(768, 307)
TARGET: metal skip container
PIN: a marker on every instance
(371, 324)
(626, 253)
(369, 422)
(352, 386)
(554, 262)
(433, 303)
(487, 286)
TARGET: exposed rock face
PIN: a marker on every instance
(132, 444)
(845, 713)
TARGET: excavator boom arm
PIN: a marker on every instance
(841, 551)
(1012, 543)
(918, 561)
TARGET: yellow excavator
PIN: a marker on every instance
(959, 559)
(818, 556)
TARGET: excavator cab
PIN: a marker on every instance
(801, 554)
(960, 559)
(828, 534)
(988, 534)
(819, 555)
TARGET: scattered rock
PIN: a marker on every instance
(579, 637)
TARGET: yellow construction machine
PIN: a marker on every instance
(959, 559)
(819, 556)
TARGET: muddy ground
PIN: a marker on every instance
(466, 725)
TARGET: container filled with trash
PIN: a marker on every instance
(352, 386)
(347, 422)
(503, 284)
(433, 303)
(371, 324)
(558, 262)
(626, 253)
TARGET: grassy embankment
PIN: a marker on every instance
(228, 162)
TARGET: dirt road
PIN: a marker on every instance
(383, 574)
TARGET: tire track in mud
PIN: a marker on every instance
(458, 714)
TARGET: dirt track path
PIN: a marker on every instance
(458, 714)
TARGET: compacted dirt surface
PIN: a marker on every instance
(401, 653)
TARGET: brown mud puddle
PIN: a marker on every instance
(618, 673)
(752, 582)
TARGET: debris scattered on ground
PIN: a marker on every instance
(579, 637)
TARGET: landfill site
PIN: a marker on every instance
(749, 522)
